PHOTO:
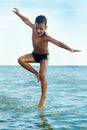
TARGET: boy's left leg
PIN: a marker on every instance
(42, 76)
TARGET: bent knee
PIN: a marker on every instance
(20, 60)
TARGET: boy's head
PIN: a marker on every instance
(41, 19)
(40, 25)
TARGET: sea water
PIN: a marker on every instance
(66, 101)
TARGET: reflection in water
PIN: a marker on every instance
(44, 124)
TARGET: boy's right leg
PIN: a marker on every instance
(24, 62)
(42, 75)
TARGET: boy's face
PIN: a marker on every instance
(39, 29)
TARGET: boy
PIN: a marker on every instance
(40, 53)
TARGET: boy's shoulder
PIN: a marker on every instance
(47, 36)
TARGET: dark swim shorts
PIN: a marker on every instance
(39, 57)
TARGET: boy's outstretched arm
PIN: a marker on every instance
(24, 19)
(61, 44)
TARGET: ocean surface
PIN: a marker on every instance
(66, 103)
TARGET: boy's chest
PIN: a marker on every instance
(38, 41)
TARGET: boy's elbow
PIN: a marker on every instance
(26, 22)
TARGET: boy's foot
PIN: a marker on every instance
(42, 102)
(37, 77)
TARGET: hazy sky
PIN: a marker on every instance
(67, 22)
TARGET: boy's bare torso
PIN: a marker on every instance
(40, 43)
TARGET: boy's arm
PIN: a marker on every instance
(61, 44)
(24, 19)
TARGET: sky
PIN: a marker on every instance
(67, 22)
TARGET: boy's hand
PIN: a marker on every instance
(74, 50)
(16, 11)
